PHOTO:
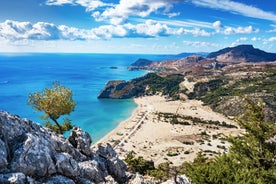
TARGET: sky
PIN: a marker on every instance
(135, 26)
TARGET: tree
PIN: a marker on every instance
(55, 102)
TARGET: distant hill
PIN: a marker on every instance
(242, 53)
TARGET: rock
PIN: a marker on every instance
(58, 179)
(180, 180)
(66, 165)
(106, 151)
(138, 179)
(92, 171)
(110, 180)
(81, 140)
(27, 150)
(15, 178)
(83, 181)
(26, 156)
(117, 168)
(3, 155)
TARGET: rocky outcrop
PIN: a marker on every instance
(30, 153)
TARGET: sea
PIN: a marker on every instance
(85, 74)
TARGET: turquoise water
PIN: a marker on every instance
(85, 74)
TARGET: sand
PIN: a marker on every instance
(157, 140)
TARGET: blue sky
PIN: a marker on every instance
(135, 26)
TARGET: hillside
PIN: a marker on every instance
(220, 80)
(242, 53)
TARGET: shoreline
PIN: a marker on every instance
(153, 138)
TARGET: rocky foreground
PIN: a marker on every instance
(30, 153)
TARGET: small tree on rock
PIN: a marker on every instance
(55, 102)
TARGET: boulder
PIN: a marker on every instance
(58, 179)
(92, 171)
(66, 165)
(138, 179)
(117, 168)
(3, 155)
(33, 157)
(15, 178)
(81, 140)
(106, 151)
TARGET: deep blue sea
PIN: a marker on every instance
(85, 74)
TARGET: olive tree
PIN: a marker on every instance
(55, 102)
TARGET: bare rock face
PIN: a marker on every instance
(30, 153)
(92, 171)
(66, 165)
(3, 155)
(81, 140)
(106, 151)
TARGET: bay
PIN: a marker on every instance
(85, 74)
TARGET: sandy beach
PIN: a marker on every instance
(150, 134)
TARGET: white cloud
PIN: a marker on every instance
(14, 31)
(272, 31)
(237, 8)
(254, 39)
(272, 39)
(118, 13)
(198, 44)
(227, 30)
(240, 30)
(59, 2)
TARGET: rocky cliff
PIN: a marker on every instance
(30, 153)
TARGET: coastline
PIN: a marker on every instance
(155, 139)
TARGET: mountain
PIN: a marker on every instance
(140, 64)
(242, 53)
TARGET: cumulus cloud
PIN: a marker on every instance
(227, 30)
(118, 13)
(14, 31)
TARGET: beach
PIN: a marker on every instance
(154, 138)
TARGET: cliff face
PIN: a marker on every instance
(30, 153)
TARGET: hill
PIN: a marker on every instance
(242, 53)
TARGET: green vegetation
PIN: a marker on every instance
(150, 84)
(55, 102)
(162, 172)
(251, 158)
(185, 120)
(139, 164)
(219, 91)
(168, 85)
